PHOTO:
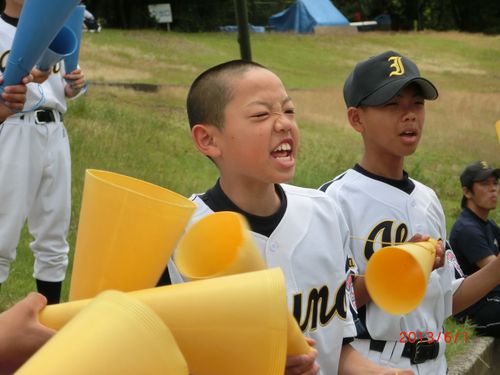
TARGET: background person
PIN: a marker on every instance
(35, 169)
(475, 240)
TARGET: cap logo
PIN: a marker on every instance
(484, 165)
(397, 65)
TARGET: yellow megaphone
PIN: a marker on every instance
(127, 231)
(396, 276)
(227, 248)
(497, 125)
(223, 326)
(114, 334)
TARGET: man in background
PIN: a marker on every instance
(475, 240)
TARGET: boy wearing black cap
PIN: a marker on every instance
(385, 97)
(475, 240)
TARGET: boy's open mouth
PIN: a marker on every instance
(283, 151)
(409, 135)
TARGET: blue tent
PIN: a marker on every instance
(304, 15)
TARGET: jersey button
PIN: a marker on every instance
(274, 246)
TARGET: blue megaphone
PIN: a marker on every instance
(75, 23)
(64, 44)
(39, 23)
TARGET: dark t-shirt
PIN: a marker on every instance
(473, 239)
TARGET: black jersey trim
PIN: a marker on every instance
(10, 20)
(326, 185)
(405, 184)
(217, 200)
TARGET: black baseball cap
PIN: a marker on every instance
(478, 171)
(378, 79)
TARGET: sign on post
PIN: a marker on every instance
(162, 13)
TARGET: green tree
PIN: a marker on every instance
(204, 15)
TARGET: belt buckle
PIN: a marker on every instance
(421, 351)
(38, 121)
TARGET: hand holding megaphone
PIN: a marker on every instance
(396, 276)
(113, 334)
(39, 23)
(13, 97)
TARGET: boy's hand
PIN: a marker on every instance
(21, 335)
(439, 260)
(76, 82)
(14, 96)
(40, 76)
(303, 364)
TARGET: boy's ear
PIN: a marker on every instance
(355, 117)
(205, 139)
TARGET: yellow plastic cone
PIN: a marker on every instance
(396, 276)
(127, 231)
(227, 248)
(114, 334)
(223, 326)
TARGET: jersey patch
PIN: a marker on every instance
(450, 256)
(349, 290)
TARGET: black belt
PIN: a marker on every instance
(418, 351)
(43, 116)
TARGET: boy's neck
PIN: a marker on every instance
(12, 9)
(256, 199)
(385, 167)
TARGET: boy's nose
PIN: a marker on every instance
(282, 123)
(410, 115)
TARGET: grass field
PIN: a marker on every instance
(145, 134)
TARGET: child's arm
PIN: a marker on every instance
(476, 286)
(352, 362)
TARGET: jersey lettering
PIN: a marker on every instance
(317, 307)
(3, 61)
(382, 235)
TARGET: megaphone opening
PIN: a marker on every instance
(395, 280)
(222, 232)
(64, 43)
(143, 188)
(123, 219)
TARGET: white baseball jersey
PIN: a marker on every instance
(35, 174)
(380, 210)
(310, 246)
